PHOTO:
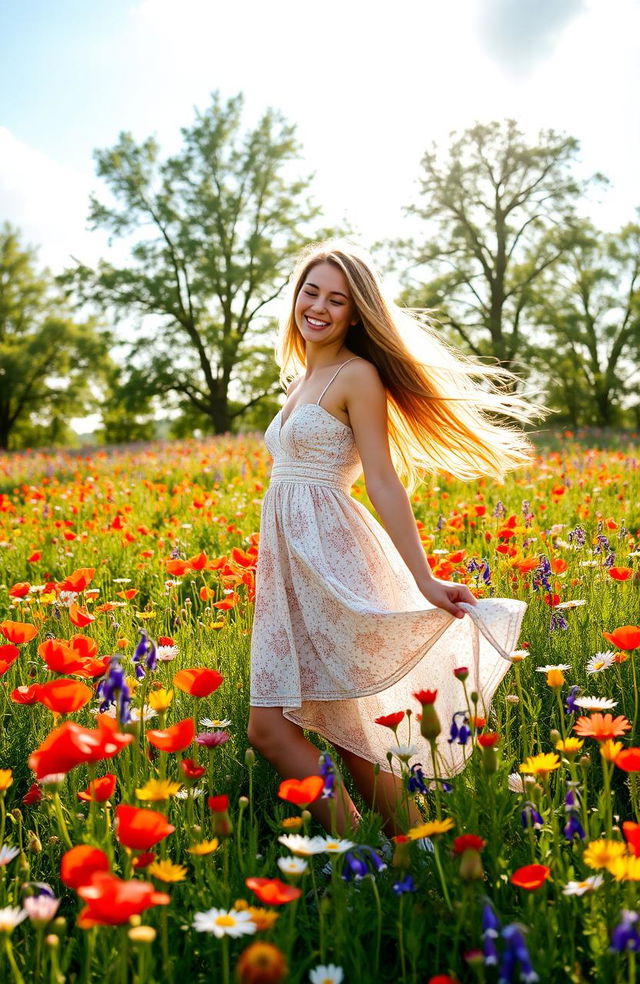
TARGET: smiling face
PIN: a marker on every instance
(324, 309)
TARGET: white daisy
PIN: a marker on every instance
(580, 887)
(215, 723)
(570, 604)
(403, 752)
(292, 866)
(326, 974)
(10, 917)
(194, 792)
(7, 854)
(336, 845)
(595, 703)
(551, 666)
(303, 846)
(222, 923)
(589, 563)
(600, 662)
(166, 653)
(520, 653)
(121, 580)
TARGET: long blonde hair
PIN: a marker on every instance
(437, 415)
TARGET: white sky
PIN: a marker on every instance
(369, 86)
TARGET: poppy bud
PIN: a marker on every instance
(401, 851)
(220, 820)
(249, 757)
(555, 735)
(471, 866)
(35, 844)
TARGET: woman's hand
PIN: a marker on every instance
(445, 594)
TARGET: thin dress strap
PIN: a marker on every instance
(334, 376)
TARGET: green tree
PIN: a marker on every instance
(490, 209)
(212, 233)
(587, 315)
(47, 360)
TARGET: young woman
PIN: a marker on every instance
(349, 620)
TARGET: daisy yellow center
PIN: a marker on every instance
(599, 664)
(225, 921)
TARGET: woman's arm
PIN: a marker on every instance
(366, 402)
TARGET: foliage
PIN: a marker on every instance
(47, 359)
(212, 232)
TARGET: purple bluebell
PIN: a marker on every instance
(406, 885)
(558, 622)
(579, 535)
(625, 935)
(145, 650)
(499, 511)
(542, 574)
(571, 801)
(459, 731)
(573, 828)
(530, 817)
(416, 779)
(360, 861)
(327, 772)
(515, 952)
(570, 700)
(490, 932)
(113, 689)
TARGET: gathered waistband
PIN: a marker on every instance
(304, 473)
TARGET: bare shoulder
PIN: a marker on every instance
(363, 380)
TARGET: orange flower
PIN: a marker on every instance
(84, 646)
(531, 876)
(272, 891)
(631, 833)
(626, 637)
(198, 563)
(8, 655)
(59, 657)
(18, 632)
(140, 829)
(175, 738)
(69, 745)
(78, 581)
(80, 616)
(198, 681)
(99, 790)
(261, 963)
(177, 567)
(19, 590)
(25, 695)
(601, 726)
(301, 791)
(64, 696)
(112, 901)
(79, 864)
(629, 759)
(620, 573)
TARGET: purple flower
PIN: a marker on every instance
(573, 828)
(328, 774)
(406, 885)
(360, 861)
(531, 818)
(461, 732)
(625, 935)
(514, 953)
(570, 700)
(211, 739)
(114, 690)
(558, 621)
(416, 779)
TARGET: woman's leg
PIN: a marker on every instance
(283, 744)
(382, 793)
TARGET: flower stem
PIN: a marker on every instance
(17, 976)
(436, 856)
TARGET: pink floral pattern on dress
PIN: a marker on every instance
(341, 633)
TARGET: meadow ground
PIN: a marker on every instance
(151, 850)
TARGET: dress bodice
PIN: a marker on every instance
(312, 447)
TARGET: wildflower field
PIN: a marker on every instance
(141, 839)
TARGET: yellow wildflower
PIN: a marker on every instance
(625, 868)
(430, 829)
(160, 700)
(610, 749)
(541, 765)
(601, 853)
(263, 918)
(132, 684)
(167, 871)
(205, 847)
(157, 790)
(291, 824)
(569, 746)
(6, 779)
(240, 905)
(555, 678)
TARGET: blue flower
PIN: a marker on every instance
(416, 779)
(573, 828)
(530, 817)
(113, 689)
(328, 774)
(407, 885)
(360, 861)
(461, 732)
(570, 700)
(625, 935)
(515, 952)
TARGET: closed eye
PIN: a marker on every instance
(309, 294)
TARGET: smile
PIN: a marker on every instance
(316, 324)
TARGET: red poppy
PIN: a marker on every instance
(631, 833)
(177, 567)
(301, 791)
(33, 795)
(390, 720)
(94, 667)
(620, 573)
(69, 745)
(198, 681)
(198, 563)
(86, 647)
(78, 581)
(18, 632)
(628, 759)
(60, 657)
(626, 637)
(468, 842)
(531, 876)
(64, 696)
(19, 590)
(426, 696)
(140, 829)
(34, 557)
(143, 860)
(26, 695)
(175, 738)
(127, 595)
(489, 739)
(461, 672)
(442, 979)
(99, 790)
(218, 804)
(112, 901)
(272, 891)
(8, 655)
(191, 769)
(80, 616)
(165, 641)
(79, 864)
